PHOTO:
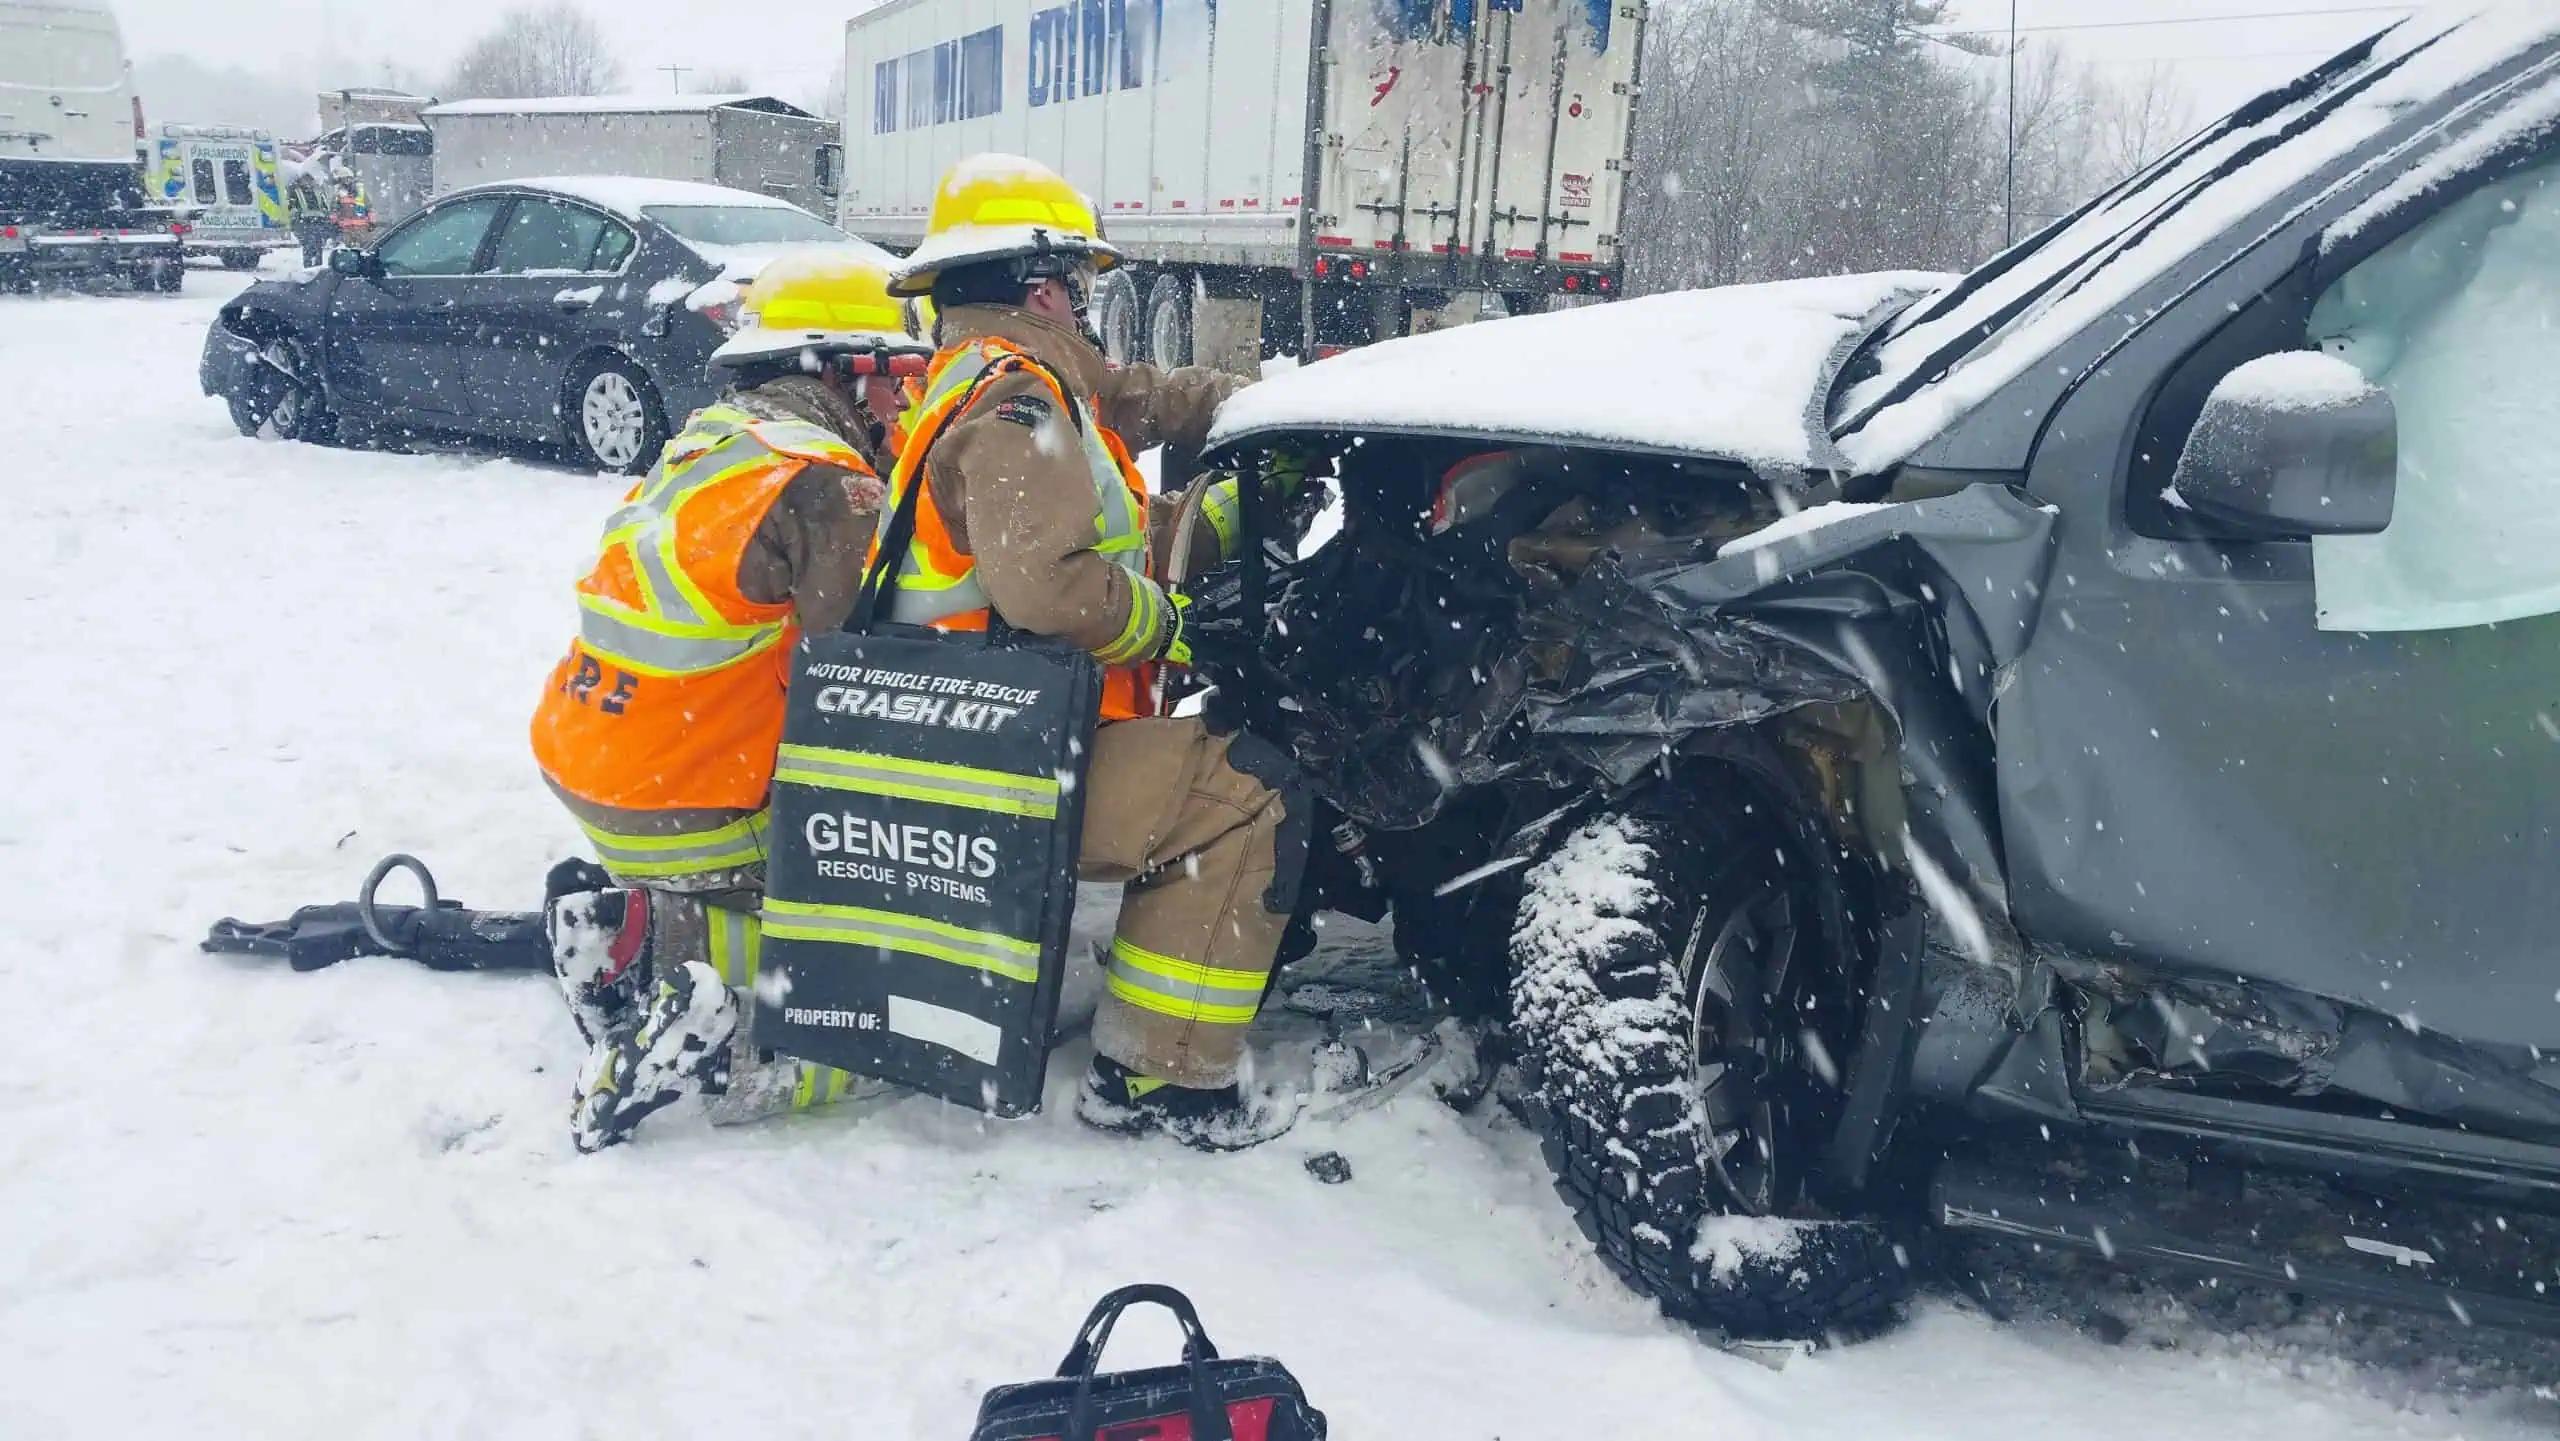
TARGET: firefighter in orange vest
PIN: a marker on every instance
(658, 728)
(1031, 512)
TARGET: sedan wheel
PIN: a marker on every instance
(616, 421)
(297, 410)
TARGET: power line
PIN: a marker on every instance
(2188, 20)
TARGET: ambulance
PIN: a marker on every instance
(232, 179)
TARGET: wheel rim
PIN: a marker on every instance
(613, 417)
(286, 415)
(1742, 963)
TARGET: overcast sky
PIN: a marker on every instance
(791, 45)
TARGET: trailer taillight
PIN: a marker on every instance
(1604, 284)
(1573, 282)
(177, 227)
(8, 232)
(1324, 267)
(1359, 270)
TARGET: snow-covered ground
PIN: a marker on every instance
(239, 1202)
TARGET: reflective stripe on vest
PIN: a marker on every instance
(676, 630)
(663, 854)
(926, 593)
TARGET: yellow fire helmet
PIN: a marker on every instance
(827, 299)
(997, 207)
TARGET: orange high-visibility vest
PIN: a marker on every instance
(671, 695)
(936, 582)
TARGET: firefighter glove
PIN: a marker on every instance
(1207, 627)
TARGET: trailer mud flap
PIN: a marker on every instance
(927, 806)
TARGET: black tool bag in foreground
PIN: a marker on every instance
(1205, 1398)
(927, 806)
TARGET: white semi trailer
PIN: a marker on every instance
(1285, 175)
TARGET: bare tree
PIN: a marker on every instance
(2135, 123)
(553, 49)
(1801, 137)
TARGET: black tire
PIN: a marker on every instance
(301, 412)
(1657, 973)
(1117, 304)
(596, 422)
(240, 260)
(1168, 337)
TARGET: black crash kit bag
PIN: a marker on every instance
(927, 808)
(1205, 1398)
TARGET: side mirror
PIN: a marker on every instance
(2292, 445)
(360, 264)
(830, 169)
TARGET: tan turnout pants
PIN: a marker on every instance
(1197, 842)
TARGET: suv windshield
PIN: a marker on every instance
(744, 224)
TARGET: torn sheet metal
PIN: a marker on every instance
(2233, 1038)
(1648, 648)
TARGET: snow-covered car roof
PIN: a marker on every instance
(628, 195)
(1939, 360)
(619, 105)
(1728, 374)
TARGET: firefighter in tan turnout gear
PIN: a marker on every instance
(658, 729)
(1031, 513)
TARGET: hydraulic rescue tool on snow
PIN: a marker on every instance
(443, 935)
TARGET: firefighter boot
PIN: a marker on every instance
(1123, 1102)
(600, 952)
(679, 1044)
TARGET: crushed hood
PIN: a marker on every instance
(1737, 373)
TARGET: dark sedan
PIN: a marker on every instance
(575, 312)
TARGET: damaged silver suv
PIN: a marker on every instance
(2068, 753)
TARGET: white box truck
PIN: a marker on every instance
(71, 197)
(746, 142)
(1285, 175)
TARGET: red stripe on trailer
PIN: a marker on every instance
(1338, 242)
(1520, 254)
(1440, 249)
(1182, 205)
(1571, 258)
(1292, 200)
(1252, 204)
(1228, 204)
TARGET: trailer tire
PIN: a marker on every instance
(1655, 975)
(1117, 301)
(1169, 320)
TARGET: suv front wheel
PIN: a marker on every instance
(1677, 1071)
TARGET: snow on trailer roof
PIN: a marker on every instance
(1941, 359)
(620, 105)
(1725, 374)
(628, 195)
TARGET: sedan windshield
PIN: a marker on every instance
(744, 224)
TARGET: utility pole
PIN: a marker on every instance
(2009, 206)
(676, 73)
